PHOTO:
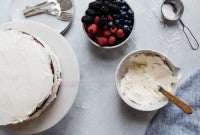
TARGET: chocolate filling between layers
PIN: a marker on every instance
(52, 70)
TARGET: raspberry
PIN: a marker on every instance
(111, 40)
(120, 33)
(113, 29)
(102, 41)
(110, 18)
(92, 28)
(105, 27)
(96, 20)
(87, 19)
(107, 33)
(90, 12)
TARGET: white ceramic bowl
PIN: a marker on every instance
(122, 70)
(113, 46)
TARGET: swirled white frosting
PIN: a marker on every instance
(140, 83)
(26, 76)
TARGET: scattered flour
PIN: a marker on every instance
(171, 34)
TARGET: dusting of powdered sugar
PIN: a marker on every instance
(157, 11)
(170, 35)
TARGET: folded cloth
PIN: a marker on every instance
(170, 120)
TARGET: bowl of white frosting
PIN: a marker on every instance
(139, 76)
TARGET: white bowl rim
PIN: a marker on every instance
(152, 107)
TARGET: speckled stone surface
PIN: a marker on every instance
(98, 108)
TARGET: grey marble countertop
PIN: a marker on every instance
(98, 108)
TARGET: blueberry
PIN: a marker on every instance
(117, 22)
(131, 27)
(110, 24)
(130, 12)
(125, 21)
(124, 8)
(122, 21)
(131, 18)
(127, 16)
(123, 14)
(129, 22)
(120, 1)
(126, 29)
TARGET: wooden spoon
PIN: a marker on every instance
(183, 106)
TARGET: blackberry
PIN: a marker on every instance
(106, 3)
(95, 5)
(115, 15)
(90, 12)
(101, 1)
(104, 10)
(102, 21)
(87, 19)
(113, 8)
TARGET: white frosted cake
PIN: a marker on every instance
(29, 75)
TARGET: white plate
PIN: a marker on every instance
(16, 14)
(70, 77)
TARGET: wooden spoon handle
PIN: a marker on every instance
(183, 106)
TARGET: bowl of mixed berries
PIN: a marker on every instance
(108, 23)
